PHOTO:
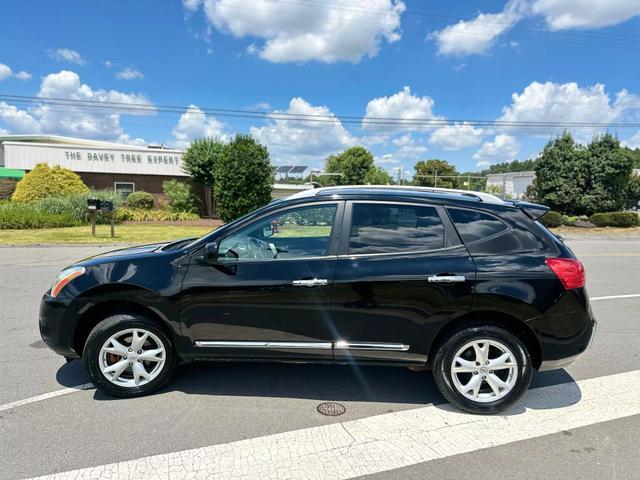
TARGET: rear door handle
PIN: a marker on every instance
(314, 282)
(446, 278)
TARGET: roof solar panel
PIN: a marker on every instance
(283, 169)
(298, 169)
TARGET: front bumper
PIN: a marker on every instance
(55, 331)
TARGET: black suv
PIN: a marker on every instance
(465, 283)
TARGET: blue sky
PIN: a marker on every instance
(446, 62)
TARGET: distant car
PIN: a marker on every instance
(462, 282)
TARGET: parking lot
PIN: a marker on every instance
(240, 420)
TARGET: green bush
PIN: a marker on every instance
(180, 196)
(140, 200)
(159, 215)
(569, 220)
(76, 205)
(25, 216)
(44, 181)
(552, 219)
(615, 219)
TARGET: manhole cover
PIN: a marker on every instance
(331, 409)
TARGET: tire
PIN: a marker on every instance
(465, 348)
(101, 353)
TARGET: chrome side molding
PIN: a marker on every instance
(234, 344)
(339, 345)
(396, 347)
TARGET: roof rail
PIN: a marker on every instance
(480, 196)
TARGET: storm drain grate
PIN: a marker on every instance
(331, 409)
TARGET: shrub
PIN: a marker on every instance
(76, 205)
(552, 219)
(615, 219)
(26, 216)
(44, 181)
(180, 196)
(159, 215)
(140, 200)
(569, 220)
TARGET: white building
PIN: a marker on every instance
(511, 183)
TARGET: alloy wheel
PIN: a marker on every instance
(132, 357)
(484, 370)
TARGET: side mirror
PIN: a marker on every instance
(211, 252)
(268, 230)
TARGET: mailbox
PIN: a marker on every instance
(106, 206)
(93, 203)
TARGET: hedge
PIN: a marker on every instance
(160, 215)
(615, 219)
(25, 216)
(552, 219)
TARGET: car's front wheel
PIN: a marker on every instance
(128, 356)
(482, 369)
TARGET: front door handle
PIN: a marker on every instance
(314, 282)
(446, 278)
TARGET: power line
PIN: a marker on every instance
(383, 122)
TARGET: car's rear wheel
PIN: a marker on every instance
(482, 369)
(128, 356)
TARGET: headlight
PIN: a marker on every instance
(65, 277)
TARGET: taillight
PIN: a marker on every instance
(569, 270)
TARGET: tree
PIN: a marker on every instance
(574, 179)
(609, 169)
(429, 173)
(561, 174)
(180, 196)
(354, 164)
(633, 191)
(244, 177)
(377, 176)
(634, 154)
(44, 182)
(514, 166)
(200, 162)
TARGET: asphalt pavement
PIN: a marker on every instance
(226, 414)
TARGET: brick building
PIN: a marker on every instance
(101, 165)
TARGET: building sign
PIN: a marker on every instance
(137, 161)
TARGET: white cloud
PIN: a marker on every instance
(66, 55)
(259, 106)
(633, 142)
(409, 150)
(503, 148)
(404, 108)
(566, 14)
(193, 124)
(478, 35)
(18, 120)
(327, 31)
(129, 140)
(5, 71)
(568, 102)
(129, 74)
(71, 120)
(24, 76)
(456, 136)
(294, 141)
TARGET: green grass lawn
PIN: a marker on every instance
(126, 233)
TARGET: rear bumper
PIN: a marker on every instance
(55, 331)
(559, 363)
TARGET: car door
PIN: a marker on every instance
(401, 274)
(268, 293)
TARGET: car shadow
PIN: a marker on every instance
(325, 382)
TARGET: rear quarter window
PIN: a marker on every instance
(486, 234)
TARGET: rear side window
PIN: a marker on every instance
(386, 228)
(473, 225)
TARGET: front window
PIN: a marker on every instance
(124, 189)
(296, 233)
(388, 228)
